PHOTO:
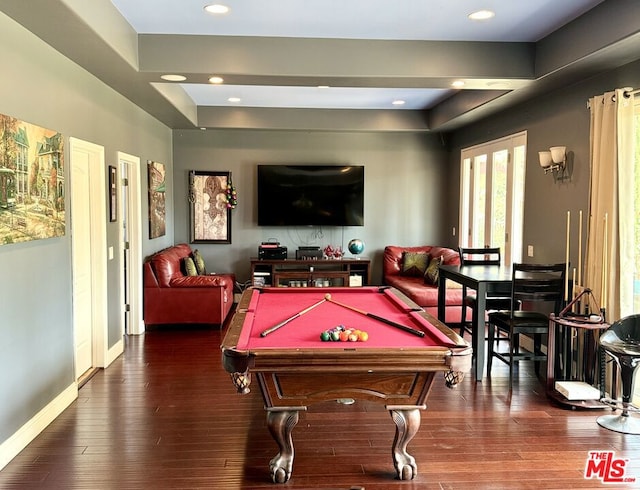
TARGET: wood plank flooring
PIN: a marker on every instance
(165, 415)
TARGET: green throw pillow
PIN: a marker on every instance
(414, 263)
(432, 272)
(199, 261)
(190, 267)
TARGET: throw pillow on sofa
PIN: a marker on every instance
(189, 267)
(414, 263)
(199, 261)
(432, 273)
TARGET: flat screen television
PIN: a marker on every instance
(316, 195)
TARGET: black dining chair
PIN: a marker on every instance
(535, 289)
(479, 256)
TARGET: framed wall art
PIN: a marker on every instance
(157, 188)
(32, 182)
(113, 195)
(210, 213)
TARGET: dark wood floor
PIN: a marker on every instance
(165, 415)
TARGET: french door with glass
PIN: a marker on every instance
(492, 196)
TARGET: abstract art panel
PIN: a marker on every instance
(210, 210)
(157, 191)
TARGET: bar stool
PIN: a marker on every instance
(622, 342)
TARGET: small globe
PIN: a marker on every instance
(356, 246)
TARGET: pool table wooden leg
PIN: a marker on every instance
(281, 422)
(407, 420)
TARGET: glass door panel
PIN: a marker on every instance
(497, 223)
(479, 200)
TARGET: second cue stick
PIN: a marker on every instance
(291, 318)
(419, 333)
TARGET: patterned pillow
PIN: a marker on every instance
(199, 261)
(432, 272)
(190, 266)
(414, 263)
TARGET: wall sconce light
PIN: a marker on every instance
(554, 160)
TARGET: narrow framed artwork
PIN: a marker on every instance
(157, 187)
(210, 213)
(113, 195)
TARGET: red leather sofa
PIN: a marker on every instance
(172, 297)
(416, 288)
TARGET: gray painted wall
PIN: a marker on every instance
(42, 87)
(559, 118)
(408, 170)
(405, 181)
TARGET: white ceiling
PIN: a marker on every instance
(314, 97)
(274, 56)
(432, 20)
(428, 20)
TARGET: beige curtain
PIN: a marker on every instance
(609, 255)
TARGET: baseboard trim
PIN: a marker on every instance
(526, 342)
(10, 448)
(115, 352)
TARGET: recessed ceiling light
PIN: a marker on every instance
(457, 84)
(482, 15)
(215, 79)
(234, 99)
(398, 102)
(173, 78)
(217, 8)
(323, 86)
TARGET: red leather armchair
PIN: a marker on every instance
(171, 297)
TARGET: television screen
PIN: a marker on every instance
(302, 195)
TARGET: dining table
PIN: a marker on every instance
(487, 281)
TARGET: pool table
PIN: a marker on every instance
(275, 335)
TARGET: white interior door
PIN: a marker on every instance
(89, 254)
(125, 268)
(130, 244)
(81, 240)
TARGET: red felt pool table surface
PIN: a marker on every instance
(296, 346)
(270, 306)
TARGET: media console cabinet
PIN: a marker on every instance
(310, 272)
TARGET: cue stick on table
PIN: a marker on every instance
(284, 322)
(419, 333)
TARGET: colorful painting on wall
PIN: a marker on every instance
(157, 188)
(31, 182)
(210, 207)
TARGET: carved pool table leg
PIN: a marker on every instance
(281, 422)
(407, 420)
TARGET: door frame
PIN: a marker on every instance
(134, 221)
(98, 244)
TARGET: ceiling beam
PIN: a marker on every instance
(311, 119)
(354, 59)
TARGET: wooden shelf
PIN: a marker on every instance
(304, 272)
(560, 399)
(559, 348)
